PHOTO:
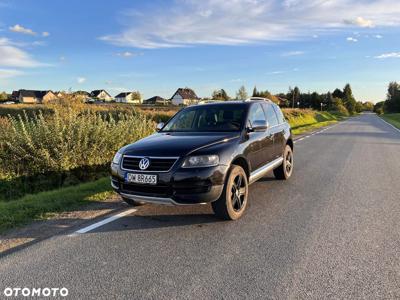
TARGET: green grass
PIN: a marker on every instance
(42, 205)
(393, 119)
(302, 120)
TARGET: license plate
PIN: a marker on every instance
(141, 178)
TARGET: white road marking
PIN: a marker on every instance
(103, 222)
(394, 127)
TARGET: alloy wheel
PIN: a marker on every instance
(238, 193)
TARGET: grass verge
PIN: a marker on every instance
(303, 121)
(393, 119)
(40, 206)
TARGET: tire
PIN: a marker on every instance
(233, 201)
(285, 170)
(132, 202)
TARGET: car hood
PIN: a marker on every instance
(177, 144)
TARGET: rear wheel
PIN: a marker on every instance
(285, 170)
(132, 202)
(233, 201)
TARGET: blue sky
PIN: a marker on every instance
(158, 46)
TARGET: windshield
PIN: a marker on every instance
(208, 118)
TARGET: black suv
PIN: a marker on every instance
(206, 153)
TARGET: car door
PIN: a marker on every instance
(260, 142)
(274, 131)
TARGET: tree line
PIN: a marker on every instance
(392, 102)
(339, 100)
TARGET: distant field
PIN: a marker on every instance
(157, 113)
(393, 119)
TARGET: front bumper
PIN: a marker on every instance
(180, 186)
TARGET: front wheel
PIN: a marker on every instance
(233, 201)
(285, 170)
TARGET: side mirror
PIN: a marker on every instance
(159, 126)
(258, 125)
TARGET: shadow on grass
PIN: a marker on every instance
(15, 188)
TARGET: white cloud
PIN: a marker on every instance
(389, 55)
(45, 34)
(378, 36)
(187, 23)
(128, 54)
(9, 73)
(351, 39)
(62, 58)
(20, 29)
(277, 72)
(292, 53)
(81, 80)
(361, 22)
(12, 56)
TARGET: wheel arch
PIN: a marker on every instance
(241, 161)
(290, 143)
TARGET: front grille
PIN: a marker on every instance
(147, 190)
(156, 164)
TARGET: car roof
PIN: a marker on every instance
(231, 102)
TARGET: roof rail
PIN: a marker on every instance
(258, 99)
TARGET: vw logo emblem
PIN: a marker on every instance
(144, 163)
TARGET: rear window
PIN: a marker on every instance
(271, 115)
(279, 114)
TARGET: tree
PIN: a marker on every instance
(337, 106)
(368, 106)
(359, 107)
(337, 93)
(220, 95)
(255, 92)
(3, 96)
(294, 96)
(136, 95)
(392, 103)
(348, 99)
(241, 93)
(378, 107)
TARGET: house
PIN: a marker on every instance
(33, 96)
(101, 95)
(156, 100)
(128, 97)
(14, 96)
(282, 102)
(60, 94)
(184, 96)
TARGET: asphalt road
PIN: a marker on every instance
(331, 231)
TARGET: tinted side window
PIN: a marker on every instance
(271, 115)
(256, 114)
(281, 117)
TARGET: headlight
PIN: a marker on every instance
(201, 161)
(117, 158)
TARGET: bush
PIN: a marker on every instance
(341, 109)
(68, 146)
(379, 107)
